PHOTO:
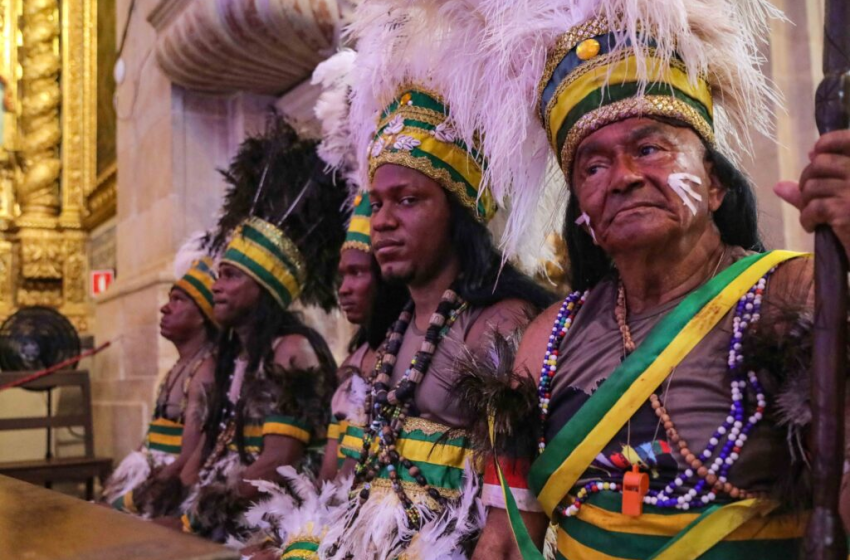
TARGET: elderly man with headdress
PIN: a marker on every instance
(281, 230)
(667, 393)
(147, 481)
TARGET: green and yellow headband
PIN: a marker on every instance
(359, 233)
(263, 252)
(592, 79)
(414, 131)
(197, 284)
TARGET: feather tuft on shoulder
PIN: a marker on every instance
(488, 387)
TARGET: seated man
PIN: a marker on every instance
(147, 481)
(274, 375)
(668, 392)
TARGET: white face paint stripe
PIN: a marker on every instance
(679, 183)
(585, 219)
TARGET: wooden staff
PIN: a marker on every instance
(825, 538)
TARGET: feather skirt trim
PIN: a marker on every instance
(379, 529)
(133, 471)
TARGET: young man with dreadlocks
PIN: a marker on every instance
(147, 481)
(415, 489)
(281, 229)
(667, 396)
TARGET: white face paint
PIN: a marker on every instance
(584, 219)
(679, 183)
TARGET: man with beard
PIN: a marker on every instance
(143, 481)
(274, 375)
(415, 489)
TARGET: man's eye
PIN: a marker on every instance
(408, 201)
(648, 150)
(592, 169)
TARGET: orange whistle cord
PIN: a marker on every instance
(635, 487)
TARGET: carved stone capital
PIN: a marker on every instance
(259, 46)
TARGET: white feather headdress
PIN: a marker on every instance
(431, 43)
(336, 148)
(504, 49)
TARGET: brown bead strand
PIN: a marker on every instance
(664, 417)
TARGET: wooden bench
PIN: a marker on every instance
(58, 469)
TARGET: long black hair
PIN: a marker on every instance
(736, 219)
(387, 305)
(484, 279)
(268, 322)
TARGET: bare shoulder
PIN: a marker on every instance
(206, 372)
(532, 347)
(504, 317)
(295, 351)
(792, 284)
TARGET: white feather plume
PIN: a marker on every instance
(133, 471)
(336, 148)
(491, 55)
(379, 530)
(432, 43)
(188, 253)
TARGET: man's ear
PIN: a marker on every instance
(716, 190)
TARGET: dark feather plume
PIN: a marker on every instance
(218, 513)
(488, 385)
(280, 178)
(158, 498)
(779, 348)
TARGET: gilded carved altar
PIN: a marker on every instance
(48, 162)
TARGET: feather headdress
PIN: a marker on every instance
(337, 149)
(399, 107)
(527, 60)
(282, 219)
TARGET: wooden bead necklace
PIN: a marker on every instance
(390, 408)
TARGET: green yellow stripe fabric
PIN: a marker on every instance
(351, 443)
(736, 530)
(165, 435)
(125, 503)
(263, 252)
(279, 425)
(197, 284)
(302, 549)
(359, 233)
(623, 71)
(289, 426)
(571, 451)
(441, 459)
(334, 430)
(252, 439)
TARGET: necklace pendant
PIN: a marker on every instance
(635, 488)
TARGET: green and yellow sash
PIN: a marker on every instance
(573, 449)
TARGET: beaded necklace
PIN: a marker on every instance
(163, 392)
(390, 408)
(711, 477)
